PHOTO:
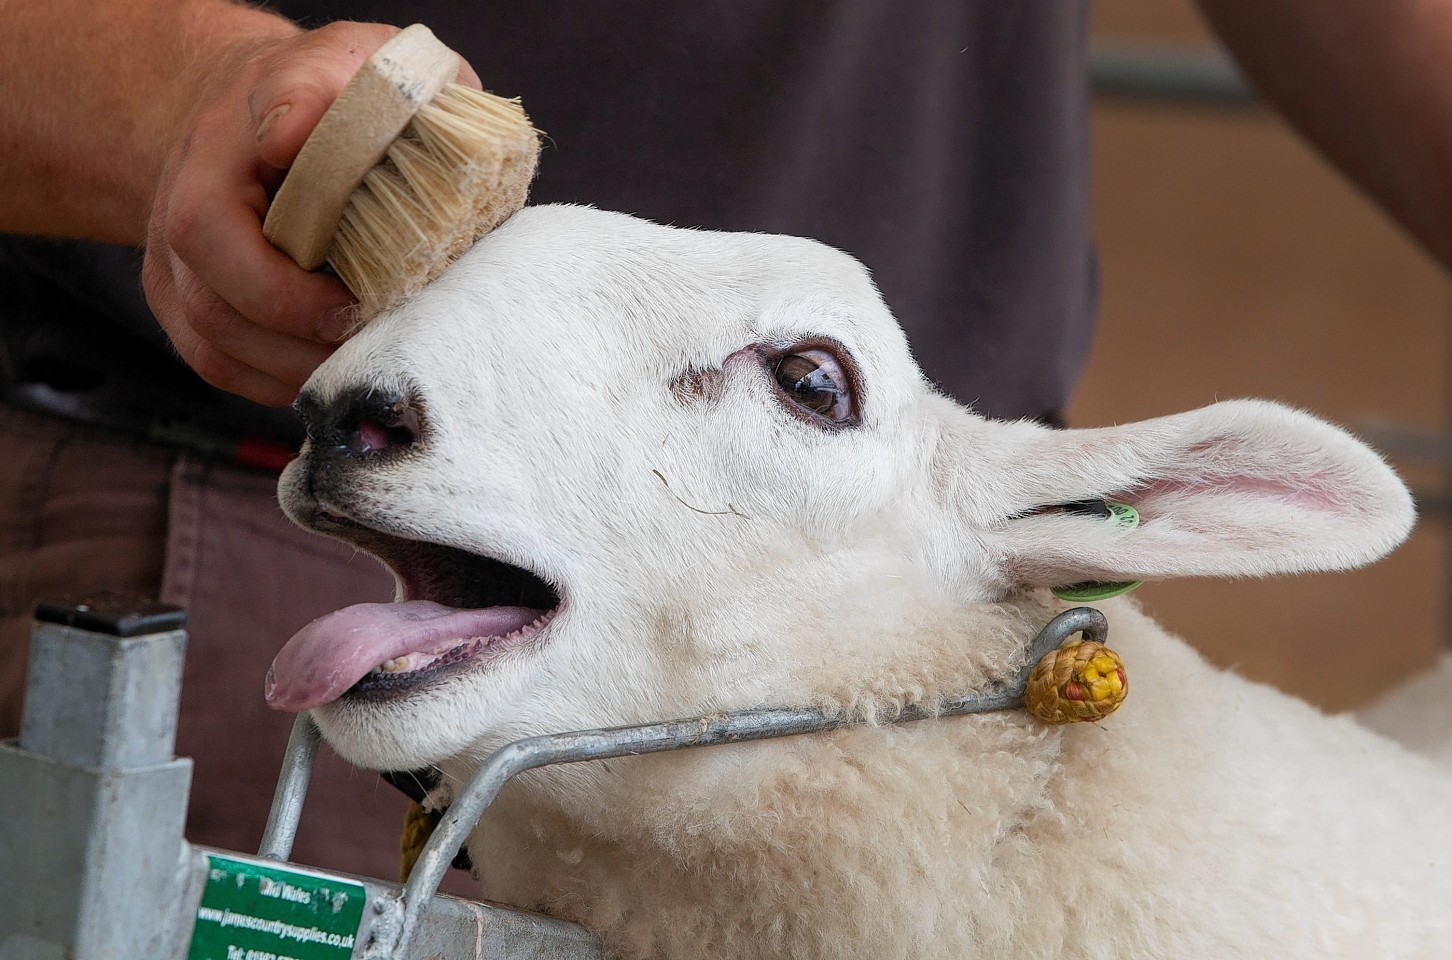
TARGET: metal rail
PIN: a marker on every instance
(399, 913)
(1175, 76)
(292, 789)
(93, 861)
(119, 880)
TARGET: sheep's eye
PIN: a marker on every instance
(814, 380)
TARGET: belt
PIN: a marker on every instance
(164, 425)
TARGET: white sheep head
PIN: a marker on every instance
(599, 401)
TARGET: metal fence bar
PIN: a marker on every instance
(714, 729)
(129, 884)
(292, 789)
(93, 861)
(1190, 76)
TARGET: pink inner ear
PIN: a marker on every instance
(1320, 492)
(1243, 489)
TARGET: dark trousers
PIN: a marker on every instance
(83, 510)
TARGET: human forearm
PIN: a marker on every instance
(1369, 83)
(168, 123)
(97, 94)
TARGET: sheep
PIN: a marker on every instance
(1415, 713)
(625, 472)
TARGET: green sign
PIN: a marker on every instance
(255, 912)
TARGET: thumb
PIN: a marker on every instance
(301, 81)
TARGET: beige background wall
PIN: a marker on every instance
(1236, 263)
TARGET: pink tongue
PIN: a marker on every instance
(332, 653)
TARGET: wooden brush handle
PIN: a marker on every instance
(352, 137)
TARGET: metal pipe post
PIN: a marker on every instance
(91, 848)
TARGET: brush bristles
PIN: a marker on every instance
(461, 168)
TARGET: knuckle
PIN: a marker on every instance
(184, 225)
(353, 36)
(317, 63)
(212, 365)
(274, 310)
(210, 317)
(211, 323)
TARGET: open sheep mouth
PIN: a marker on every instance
(458, 610)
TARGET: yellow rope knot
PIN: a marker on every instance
(417, 827)
(1080, 681)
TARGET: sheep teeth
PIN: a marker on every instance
(396, 665)
(467, 647)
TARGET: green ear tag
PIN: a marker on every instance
(1125, 517)
(1122, 515)
(1090, 591)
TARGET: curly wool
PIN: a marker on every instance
(996, 836)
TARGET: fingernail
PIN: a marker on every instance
(337, 323)
(269, 121)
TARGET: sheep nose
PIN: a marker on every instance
(360, 423)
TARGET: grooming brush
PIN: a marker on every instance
(402, 174)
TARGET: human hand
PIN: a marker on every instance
(237, 309)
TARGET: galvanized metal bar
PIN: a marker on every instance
(401, 915)
(1178, 76)
(91, 844)
(292, 789)
(102, 700)
(93, 863)
(452, 927)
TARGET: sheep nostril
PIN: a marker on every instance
(394, 428)
(369, 437)
(362, 422)
(376, 427)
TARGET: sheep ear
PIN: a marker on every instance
(1240, 488)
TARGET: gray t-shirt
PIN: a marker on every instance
(944, 144)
